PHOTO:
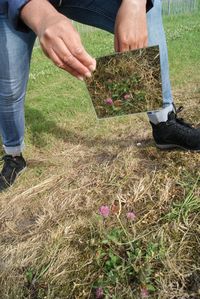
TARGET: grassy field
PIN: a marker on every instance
(53, 241)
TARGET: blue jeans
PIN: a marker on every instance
(15, 55)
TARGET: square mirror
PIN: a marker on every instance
(126, 83)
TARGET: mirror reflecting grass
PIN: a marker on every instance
(126, 83)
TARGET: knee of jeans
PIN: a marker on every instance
(12, 91)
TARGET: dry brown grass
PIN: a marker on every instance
(48, 220)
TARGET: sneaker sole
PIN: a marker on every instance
(171, 146)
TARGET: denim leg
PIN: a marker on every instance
(156, 36)
(102, 14)
(15, 53)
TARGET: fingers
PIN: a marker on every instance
(127, 38)
(139, 44)
(62, 44)
(143, 43)
(69, 60)
(123, 44)
(130, 43)
(116, 43)
(81, 55)
(77, 50)
(59, 63)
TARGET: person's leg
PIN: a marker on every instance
(15, 53)
(156, 36)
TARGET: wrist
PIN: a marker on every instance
(137, 3)
(35, 14)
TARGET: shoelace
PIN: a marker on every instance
(181, 120)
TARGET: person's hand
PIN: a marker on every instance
(59, 40)
(131, 26)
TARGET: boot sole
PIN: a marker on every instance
(171, 146)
